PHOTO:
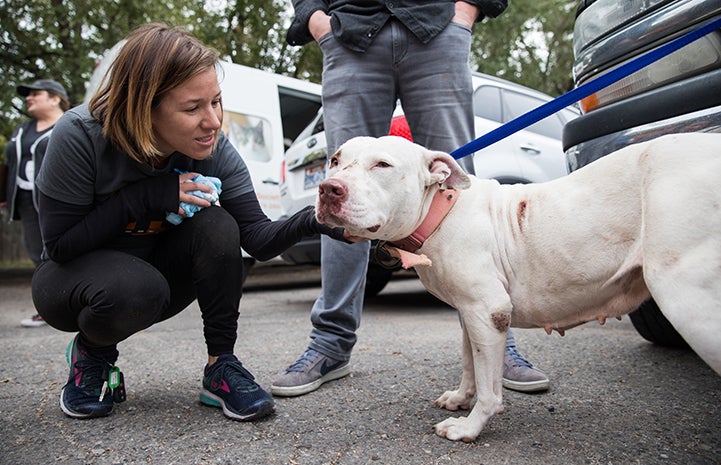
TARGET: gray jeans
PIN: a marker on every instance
(360, 90)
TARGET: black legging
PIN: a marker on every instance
(31, 228)
(108, 295)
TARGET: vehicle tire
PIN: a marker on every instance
(247, 265)
(654, 327)
(376, 279)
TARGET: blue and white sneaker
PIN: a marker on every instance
(86, 394)
(228, 385)
(308, 373)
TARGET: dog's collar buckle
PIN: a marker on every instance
(442, 203)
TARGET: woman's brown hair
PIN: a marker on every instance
(154, 60)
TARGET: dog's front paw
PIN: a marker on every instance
(454, 400)
(457, 429)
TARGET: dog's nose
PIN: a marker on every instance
(332, 189)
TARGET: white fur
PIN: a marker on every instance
(644, 221)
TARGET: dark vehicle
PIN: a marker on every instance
(679, 93)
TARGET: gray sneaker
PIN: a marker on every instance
(520, 375)
(308, 373)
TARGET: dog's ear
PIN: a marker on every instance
(445, 170)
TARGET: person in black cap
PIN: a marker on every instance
(46, 101)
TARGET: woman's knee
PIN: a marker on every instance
(129, 305)
(111, 295)
(216, 231)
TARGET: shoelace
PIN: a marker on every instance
(300, 364)
(518, 360)
(238, 377)
(94, 371)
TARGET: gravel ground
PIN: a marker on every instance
(615, 399)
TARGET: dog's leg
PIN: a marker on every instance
(461, 397)
(486, 333)
(682, 247)
(689, 297)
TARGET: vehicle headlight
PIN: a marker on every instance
(606, 15)
(693, 59)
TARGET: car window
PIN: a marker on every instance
(487, 103)
(516, 104)
(567, 115)
(250, 135)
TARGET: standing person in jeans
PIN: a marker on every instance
(374, 53)
(133, 234)
(46, 102)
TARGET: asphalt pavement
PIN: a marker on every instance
(614, 398)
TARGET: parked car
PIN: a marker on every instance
(263, 113)
(679, 93)
(531, 155)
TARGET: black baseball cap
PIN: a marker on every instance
(42, 84)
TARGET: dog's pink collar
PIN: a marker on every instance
(442, 203)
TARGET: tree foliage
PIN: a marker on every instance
(63, 39)
(531, 43)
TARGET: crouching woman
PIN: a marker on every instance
(113, 265)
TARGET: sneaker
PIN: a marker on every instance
(520, 375)
(228, 385)
(82, 395)
(33, 322)
(308, 373)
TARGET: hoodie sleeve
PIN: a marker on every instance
(70, 230)
(265, 239)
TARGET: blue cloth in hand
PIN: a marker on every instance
(191, 209)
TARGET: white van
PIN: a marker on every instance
(263, 113)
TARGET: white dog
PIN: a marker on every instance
(642, 222)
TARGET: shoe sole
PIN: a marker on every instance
(291, 391)
(32, 323)
(527, 386)
(78, 415)
(211, 400)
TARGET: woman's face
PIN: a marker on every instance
(40, 103)
(188, 118)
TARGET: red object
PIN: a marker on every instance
(399, 127)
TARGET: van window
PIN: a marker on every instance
(312, 129)
(250, 135)
(297, 109)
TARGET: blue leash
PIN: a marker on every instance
(569, 98)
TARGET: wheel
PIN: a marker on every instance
(247, 265)
(654, 327)
(376, 279)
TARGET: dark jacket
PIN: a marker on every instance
(13, 154)
(92, 195)
(356, 23)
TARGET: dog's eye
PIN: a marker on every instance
(383, 164)
(333, 162)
